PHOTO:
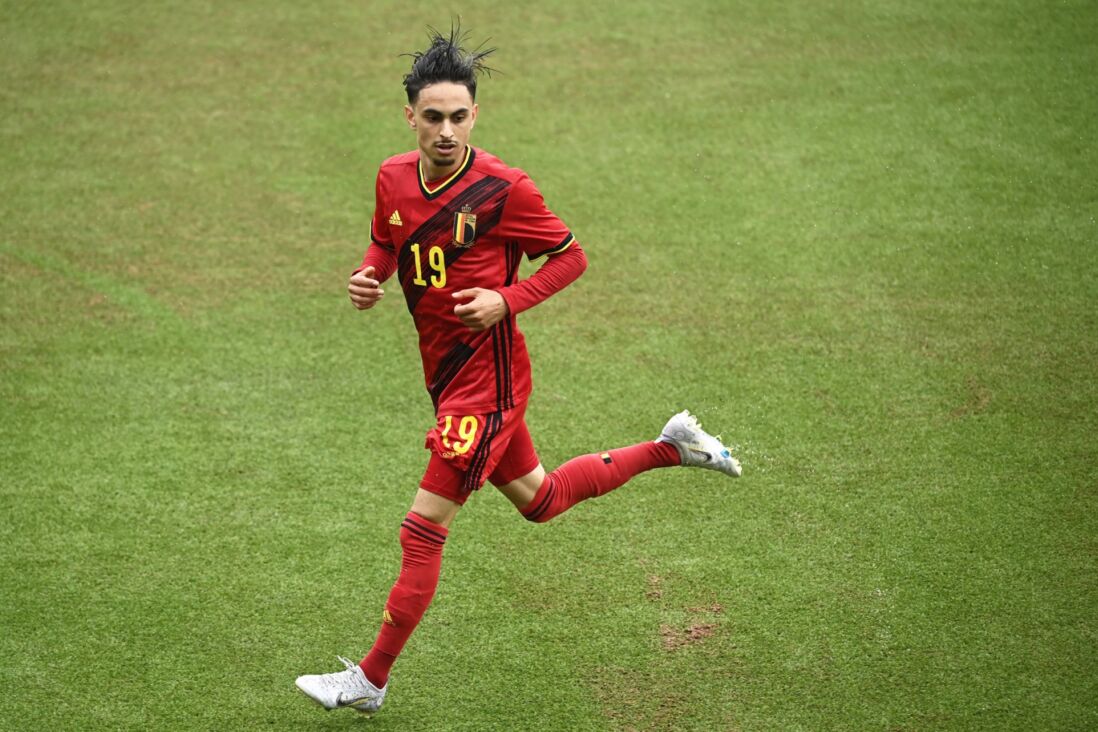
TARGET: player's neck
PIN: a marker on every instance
(432, 173)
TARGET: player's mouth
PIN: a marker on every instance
(446, 148)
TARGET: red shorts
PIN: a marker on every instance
(467, 449)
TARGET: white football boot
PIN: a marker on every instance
(698, 448)
(347, 688)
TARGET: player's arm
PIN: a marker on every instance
(380, 260)
(540, 233)
(365, 284)
(488, 307)
(559, 270)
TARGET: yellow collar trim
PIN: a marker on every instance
(448, 181)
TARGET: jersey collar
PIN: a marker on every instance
(432, 193)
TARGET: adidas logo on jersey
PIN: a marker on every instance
(394, 220)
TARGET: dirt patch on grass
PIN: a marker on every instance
(696, 629)
(683, 627)
(672, 639)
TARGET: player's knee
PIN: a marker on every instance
(539, 514)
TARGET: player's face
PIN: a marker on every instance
(442, 118)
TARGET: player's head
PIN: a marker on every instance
(446, 60)
(441, 108)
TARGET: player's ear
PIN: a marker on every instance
(410, 116)
(473, 116)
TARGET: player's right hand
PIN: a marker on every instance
(364, 290)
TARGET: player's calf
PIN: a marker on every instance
(682, 442)
(589, 476)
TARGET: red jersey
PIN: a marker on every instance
(468, 230)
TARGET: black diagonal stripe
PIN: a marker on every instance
(448, 367)
(490, 215)
(438, 231)
(439, 225)
(476, 195)
(485, 223)
(429, 530)
(453, 253)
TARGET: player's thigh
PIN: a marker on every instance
(519, 473)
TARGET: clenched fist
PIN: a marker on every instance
(364, 290)
(482, 312)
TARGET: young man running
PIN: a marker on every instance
(453, 222)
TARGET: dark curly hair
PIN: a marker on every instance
(446, 60)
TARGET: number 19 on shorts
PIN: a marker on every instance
(466, 433)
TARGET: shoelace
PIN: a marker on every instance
(332, 681)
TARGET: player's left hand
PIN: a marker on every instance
(482, 312)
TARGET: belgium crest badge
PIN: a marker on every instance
(465, 227)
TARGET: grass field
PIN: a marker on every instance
(858, 238)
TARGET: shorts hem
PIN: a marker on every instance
(442, 491)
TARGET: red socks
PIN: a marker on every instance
(594, 475)
(422, 542)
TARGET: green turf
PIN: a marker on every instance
(858, 238)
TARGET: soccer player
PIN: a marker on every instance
(453, 223)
